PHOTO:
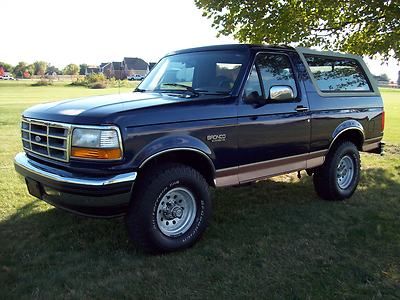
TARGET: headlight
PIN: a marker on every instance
(95, 143)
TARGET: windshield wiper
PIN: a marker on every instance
(139, 90)
(188, 88)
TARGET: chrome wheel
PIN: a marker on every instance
(345, 172)
(176, 212)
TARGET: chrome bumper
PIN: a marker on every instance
(22, 161)
(98, 196)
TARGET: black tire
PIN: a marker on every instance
(144, 214)
(326, 178)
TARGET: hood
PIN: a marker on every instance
(98, 109)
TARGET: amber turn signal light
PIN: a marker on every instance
(93, 153)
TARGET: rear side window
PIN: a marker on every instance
(333, 74)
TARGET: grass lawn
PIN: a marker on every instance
(274, 239)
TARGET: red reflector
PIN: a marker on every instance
(383, 120)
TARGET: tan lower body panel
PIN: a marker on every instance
(371, 144)
(265, 169)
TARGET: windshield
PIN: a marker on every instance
(213, 72)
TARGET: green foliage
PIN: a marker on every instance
(40, 67)
(52, 69)
(79, 82)
(96, 81)
(43, 82)
(71, 69)
(97, 85)
(93, 81)
(6, 67)
(363, 27)
(82, 69)
(95, 77)
(382, 77)
(20, 68)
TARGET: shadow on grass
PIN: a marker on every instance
(275, 232)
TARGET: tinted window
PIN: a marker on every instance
(337, 74)
(275, 69)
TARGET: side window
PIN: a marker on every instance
(275, 69)
(334, 74)
(252, 89)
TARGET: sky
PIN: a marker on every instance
(95, 31)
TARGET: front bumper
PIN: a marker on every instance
(106, 196)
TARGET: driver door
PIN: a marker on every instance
(273, 134)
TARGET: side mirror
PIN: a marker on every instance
(255, 99)
(281, 92)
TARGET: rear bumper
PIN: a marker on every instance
(106, 196)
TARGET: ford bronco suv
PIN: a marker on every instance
(205, 117)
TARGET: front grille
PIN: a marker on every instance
(46, 139)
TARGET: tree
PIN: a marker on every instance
(82, 69)
(364, 27)
(20, 68)
(52, 69)
(30, 69)
(382, 77)
(71, 69)
(398, 80)
(6, 67)
(40, 68)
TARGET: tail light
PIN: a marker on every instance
(383, 120)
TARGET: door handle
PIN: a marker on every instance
(301, 108)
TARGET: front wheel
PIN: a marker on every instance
(338, 177)
(170, 209)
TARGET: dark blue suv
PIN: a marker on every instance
(205, 117)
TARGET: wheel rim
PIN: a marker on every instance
(345, 172)
(176, 212)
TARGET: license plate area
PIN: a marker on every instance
(34, 188)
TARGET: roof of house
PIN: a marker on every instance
(135, 63)
(117, 65)
(92, 69)
(102, 65)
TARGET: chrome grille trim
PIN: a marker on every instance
(36, 138)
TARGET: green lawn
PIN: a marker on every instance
(274, 239)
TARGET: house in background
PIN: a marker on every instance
(120, 70)
(91, 70)
(107, 69)
(151, 65)
(135, 65)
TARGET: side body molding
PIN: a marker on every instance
(346, 126)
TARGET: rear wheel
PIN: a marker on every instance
(338, 177)
(170, 209)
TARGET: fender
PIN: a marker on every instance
(173, 143)
(345, 126)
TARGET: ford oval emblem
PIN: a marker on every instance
(38, 138)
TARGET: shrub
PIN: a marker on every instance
(95, 77)
(42, 82)
(97, 85)
(79, 82)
